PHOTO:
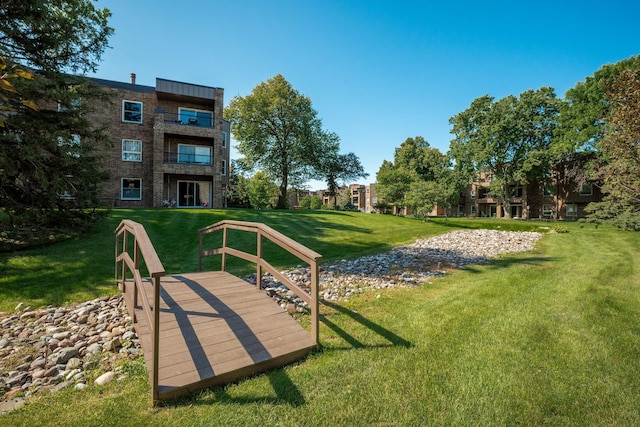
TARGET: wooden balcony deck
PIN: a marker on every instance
(216, 328)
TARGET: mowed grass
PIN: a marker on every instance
(548, 337)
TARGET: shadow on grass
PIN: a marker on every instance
(394, 339)
(501, 263)
(286, 393)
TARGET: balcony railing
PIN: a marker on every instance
(189, 119)
(174, 157)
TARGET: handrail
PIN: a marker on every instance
(142, 246)
(262, 230)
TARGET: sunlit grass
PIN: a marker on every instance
(547, 337)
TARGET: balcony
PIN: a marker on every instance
(190, 118)
(184, 124)
(182, 158)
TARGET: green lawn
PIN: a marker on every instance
(547, 337)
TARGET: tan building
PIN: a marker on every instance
(170, 144)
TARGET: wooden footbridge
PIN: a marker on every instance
(206, 328)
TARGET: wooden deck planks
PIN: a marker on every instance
(216, 328)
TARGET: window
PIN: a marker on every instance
(572, 210)
(194, 154)
(586, 190)
(546, 211)
(516, 191)
(131, 111)
(473, 194)
(473, 210)
(190, 116)
(131, 189)
(549, 190)
(224, 168)
(72, 144)
(131, 150)
(224, 140)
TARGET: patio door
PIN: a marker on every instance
(194, 194)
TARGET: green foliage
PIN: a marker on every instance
(305, 202)
(278, 131)
(50, 167)
(620, 149)
(338, 169)
(583, 116)
(11, 99)
(263, 193)
(316, 202)
(51, 163)
(420, 178)
(54, 35)
(511, 137)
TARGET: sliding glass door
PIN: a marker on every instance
(194, 194)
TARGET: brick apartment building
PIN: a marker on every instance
(558, 197)
(170, 144)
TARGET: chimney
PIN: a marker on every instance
(133, 78)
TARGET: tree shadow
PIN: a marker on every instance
(394, 339)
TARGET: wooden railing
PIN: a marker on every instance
(300, 251)
(128, 264)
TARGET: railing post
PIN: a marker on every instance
(223, 266)
(315, 333)
(156, 336)
(259, 256)
(200, 252)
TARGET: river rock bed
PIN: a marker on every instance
(53, 348)
(410, 265)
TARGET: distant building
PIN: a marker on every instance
(559, 196)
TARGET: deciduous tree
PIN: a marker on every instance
(339, 169)
(278, 132)
(510, 137)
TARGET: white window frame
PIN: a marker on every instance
(572, 210)
(124, 101)
(122, 187)
(129, 155)
(224, 140)
(547, 210)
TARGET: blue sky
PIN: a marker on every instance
(377, 72)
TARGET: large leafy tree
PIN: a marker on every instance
(50, 168)
(420, 177)
(511, 137)
(620, 151)
(338, 169)
(278, 132)
(582, 118)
